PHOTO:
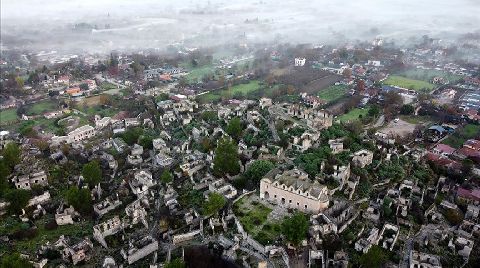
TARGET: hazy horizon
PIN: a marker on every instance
(99, 26)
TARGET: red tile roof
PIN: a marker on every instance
(443, 148)
(469, 194)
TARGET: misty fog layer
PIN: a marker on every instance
(104, 25)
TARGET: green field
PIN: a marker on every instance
(463, 134)
(428, 75)
(353, 115)
(403, 82)
(41, 107)
(8, 115)
(333, 93)
(195, 74)
(242, 89)
(107, 86)
(254, 218)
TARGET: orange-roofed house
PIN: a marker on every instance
(73, 90)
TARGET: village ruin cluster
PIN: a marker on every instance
(360, 155)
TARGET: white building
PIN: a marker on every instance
(81, 133)
(293, 189)
(300, 61)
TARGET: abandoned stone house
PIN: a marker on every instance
(139, 248)
(25, 182)
(294, 189)
(315, 118)
(336, 146)
(107, 228)
(141, 182)
(362, 158)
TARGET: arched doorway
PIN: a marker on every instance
(266, 195)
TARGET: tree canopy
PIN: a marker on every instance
(374, 258)
(92, 173)
(258, 169)
(11, 154)
(234, 128)
(295, 228)
(407, 109)
(226, 158)
(14, 261)
(214, 203)
(18, 199)
(4, 173)
(80, 199)
(166, 177)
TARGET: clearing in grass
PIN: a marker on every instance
(407, 83)
(242, 89)
(353, 115)
(8, 116)
(333, 93)
(41, 107)
(428, 75)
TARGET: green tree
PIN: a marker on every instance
(11, 154)
(176, 263)
(166, 177)
(234, 128)
(4, 173)
(387, 210)
(209, 116)
(80, 199)
(214, 203)
(14, 260)
(146, 142)
(374, 258)
(374, 111)
(407, 109)
(295, 228)
(83, 86)
(453, 216)
(18, 199)
(258, 169)
(131, 136)
(92, 173)
(226, 158)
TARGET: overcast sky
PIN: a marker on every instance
(48, 23)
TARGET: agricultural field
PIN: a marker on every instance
(333, 93)
(41, 107)
(8, 116)
(242, 89)
(463, 134)
(353, 115)
(403, 82)
(428, 75)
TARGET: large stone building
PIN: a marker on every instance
(293, 189)
(81, 133)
